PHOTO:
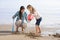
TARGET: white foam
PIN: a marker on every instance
(57, 31)
(47, 33)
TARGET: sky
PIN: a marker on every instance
(48, 9)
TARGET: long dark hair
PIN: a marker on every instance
(20, 13)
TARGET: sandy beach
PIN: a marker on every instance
(6, 34)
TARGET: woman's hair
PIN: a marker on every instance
(29, 6)
(20, 13)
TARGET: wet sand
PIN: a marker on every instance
(6, 34)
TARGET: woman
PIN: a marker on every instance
(37, 17)
(21, 15)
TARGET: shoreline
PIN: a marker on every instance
(5, 33)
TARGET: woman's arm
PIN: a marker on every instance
(25, 16)
(15, 15)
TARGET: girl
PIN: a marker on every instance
(37, 17)
(21, 15)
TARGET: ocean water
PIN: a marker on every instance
(48, 9)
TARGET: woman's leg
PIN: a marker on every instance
(17, 29)
(24, 26)
(22, 29)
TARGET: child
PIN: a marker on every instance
(21, 15)
(37, 17)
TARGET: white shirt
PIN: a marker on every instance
(36, 15)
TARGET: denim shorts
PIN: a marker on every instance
(38, 21)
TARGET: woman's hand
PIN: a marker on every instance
(13, 17)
